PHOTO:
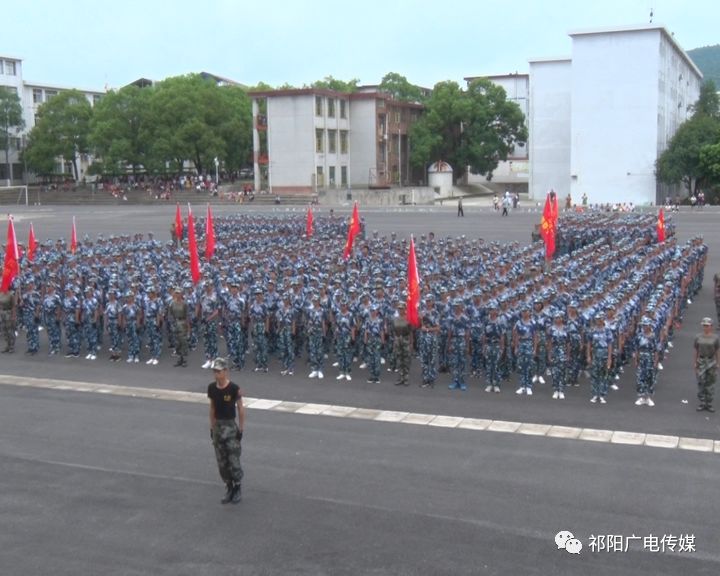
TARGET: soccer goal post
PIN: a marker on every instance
(14, 195)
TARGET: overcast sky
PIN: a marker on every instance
(95, 43)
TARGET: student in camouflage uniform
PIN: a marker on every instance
(90, 312)
(402, 345)
(707, 358)
(208, 311)
(558, 346)
(646, 359)
(31, 316)
(429, 330)
(8, 319)
(458, 342)
(315, 322)
(540, 320)
(112, 312)
(52, 316)
(344, 336)
(233, 316)
(716, 283)
(227, 422)
(153, 315)
(179, 318)
(493, 345)
(285, 322)
(71, 321)
(599, 358)
(573, 324)
(258, 315)
(524, 344)
(374, 337)
(130, 322)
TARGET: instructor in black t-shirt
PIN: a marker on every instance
(226, 432)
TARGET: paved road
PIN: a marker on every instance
(103, 484)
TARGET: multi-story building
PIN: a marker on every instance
(310, 139)
(514, 171)
(32, 96)
(600, 119)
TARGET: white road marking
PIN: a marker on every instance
(417, 419)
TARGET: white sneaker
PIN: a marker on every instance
(617, 377)
(586, 373)
(93, 357)
(87, 357)
(555, 395)
(149, 362)
(136, 359)
(520, 390)
(320, 375)
(528, 391)
(382, 360)
(155, 361)
(336, 364)
(660, 366)
(347, 377)
(362, 366)
(496, 389)
(541, 380)
(208, 364)
(313, 374)
(561, 395)
(640, 401)
(488, 388)
(534, 379)
(614, 387)
(129, 360)
(649, 401)
(593, 399)
(670, 345)
(340, 377)
(547, 372)
(602, 400)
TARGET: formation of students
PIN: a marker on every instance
(492, 312)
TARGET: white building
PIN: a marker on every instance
(627, 90)
(515, 170)
(32, 96)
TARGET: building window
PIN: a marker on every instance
(332, 177)
(10, 68)
(343, 141)
(331, 108)
(96, 99)
(381, 103)
(319, 177)
(343, 109)
(398, 116)
(50, 94)
(37, 96)
(319, 141)
(1, 67)
(318, 106)
(343, 176)
(332, 140)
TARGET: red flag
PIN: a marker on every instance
(32, 244)
(10, 267)
(192, 245)
(548, 224)
(413, 297)
(661, 226)
(178, 223)
(353, 230)
(73, 238)
(209, 235)
(309, 223)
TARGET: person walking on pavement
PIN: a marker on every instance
(716, 282)
(461, 212)
(227, 421)
(707, 358)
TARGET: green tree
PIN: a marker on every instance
(236, 128)
(681, 162)
(330, 83)
(11, 121)
(119, 130)
(477, 127)
(400, 89)
(710, 163)
(62, 129)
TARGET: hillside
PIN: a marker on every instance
(707, 59)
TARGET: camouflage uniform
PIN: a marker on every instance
(52, 311)
(524, 340)
(31, 319)
(429, 345)
(286, 342)
(7, 320)
(560, 343)
(646, 348)
(71, 308)
(706, 348)
(258, 327)
(600, 341)
(402, 332)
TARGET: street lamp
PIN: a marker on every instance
(217, 163)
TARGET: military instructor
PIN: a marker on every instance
(707, 358)
(227, 420)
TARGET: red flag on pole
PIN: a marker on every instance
(548, 224)
(10, 266)
(73, 238)
(353, 230)
(309, 223)
(32, 244)
(661, 226)
(413, 297)
(178, 223)
(192, 245)
(209, 235)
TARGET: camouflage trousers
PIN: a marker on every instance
(599, 375)
(492, 363)
(429, 356)
(559, 372)
(401, 351)
(286, 348)
(343, 352)
(645, 383)
(227, 444)
(315, 350)
(32, 325)
(54, 331)
(7, 327)
(234, 341)
(525, 365)
(261, 346)
(707, 374)
(209, 332)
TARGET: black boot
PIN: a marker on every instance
(179, 362)
(229, 494)
(236, 495)
(709, 408)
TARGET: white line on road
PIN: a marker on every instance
(409, 418)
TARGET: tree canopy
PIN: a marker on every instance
(11, 120)
(330, 83)
(400, 88)
(477, 127)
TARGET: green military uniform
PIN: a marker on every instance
(716, 280)
(402, 332)
(180, 315)
(707, 346)
(7, 320)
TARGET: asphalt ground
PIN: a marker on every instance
(102, 484)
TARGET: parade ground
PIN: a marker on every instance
(108, 468)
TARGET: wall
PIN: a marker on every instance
(363, 145)
(291, 141)
(367, 197)
(549, 142)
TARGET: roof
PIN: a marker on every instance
(549, 60)
(298, 92)
(641, 28)
(28, 84)
(490, 76)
